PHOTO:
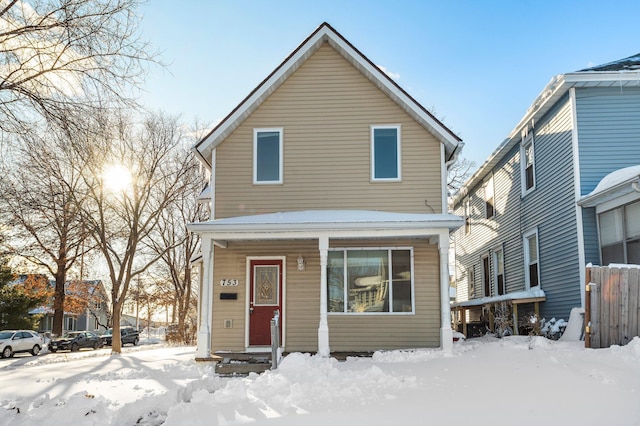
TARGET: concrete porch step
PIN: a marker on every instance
(242, 363)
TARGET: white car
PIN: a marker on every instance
(14, 341)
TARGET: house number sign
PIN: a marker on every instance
(229, 282)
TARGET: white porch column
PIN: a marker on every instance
(203, 350)
(446, 334)
(323, 328)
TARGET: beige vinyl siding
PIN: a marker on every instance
(302, 300)
(326, 109)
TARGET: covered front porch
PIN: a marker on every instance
(301, 244)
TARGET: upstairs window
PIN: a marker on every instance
(385, 153)
(532, 267)
(527, 164)
(267, 156)
(489, 203)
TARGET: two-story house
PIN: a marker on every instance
(532, 209)
(328, 204)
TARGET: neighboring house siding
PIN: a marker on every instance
(489, 234)
(326, 109)
(551, 208)
(347, 332)
(608, 131)
(609, 135)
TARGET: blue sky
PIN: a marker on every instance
(477, 64)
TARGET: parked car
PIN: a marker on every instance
(127, 335)
(75, 340)
(14, 341)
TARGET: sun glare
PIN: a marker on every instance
(116, 178)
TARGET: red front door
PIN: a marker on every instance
(265, 297)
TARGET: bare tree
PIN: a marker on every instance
(176, 245)
(63, 59)
(122, 220)
(458, 173)
(40, 196)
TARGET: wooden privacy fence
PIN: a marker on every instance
(612, 305)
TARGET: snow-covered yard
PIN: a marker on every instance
(486, 381)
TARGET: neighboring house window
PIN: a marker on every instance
(385, 153)
(70, 323)
(370, 280)
(267, 156)
(620, 234)
(486, 280)
(527, 164)
(471, 279)
(532, 271)
(489, 205)
(467, 216)
(498, 262)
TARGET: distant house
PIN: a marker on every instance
(94, 316)
(328, 205)
(555, 195)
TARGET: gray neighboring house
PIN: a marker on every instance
(94, 318)
(533, 209)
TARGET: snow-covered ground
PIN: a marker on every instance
(485, 381)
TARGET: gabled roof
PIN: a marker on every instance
(622, 75)
(326, 34)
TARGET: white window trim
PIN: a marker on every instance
(389, 252)
(280, 131)
(526, 141)
(527, 257)
(399, 156)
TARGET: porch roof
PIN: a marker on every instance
(332, 223)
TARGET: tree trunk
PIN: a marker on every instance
(58, 303)
(116, 343)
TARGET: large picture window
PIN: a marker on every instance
(267, 156)
(370, 280)
(385, 153)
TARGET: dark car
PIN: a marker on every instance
(76, 340)
(127, 335)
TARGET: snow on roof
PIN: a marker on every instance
(335, 216)
(613, 185)
(616, 178)
(336, 221)
(534, 292)
(632, 63)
